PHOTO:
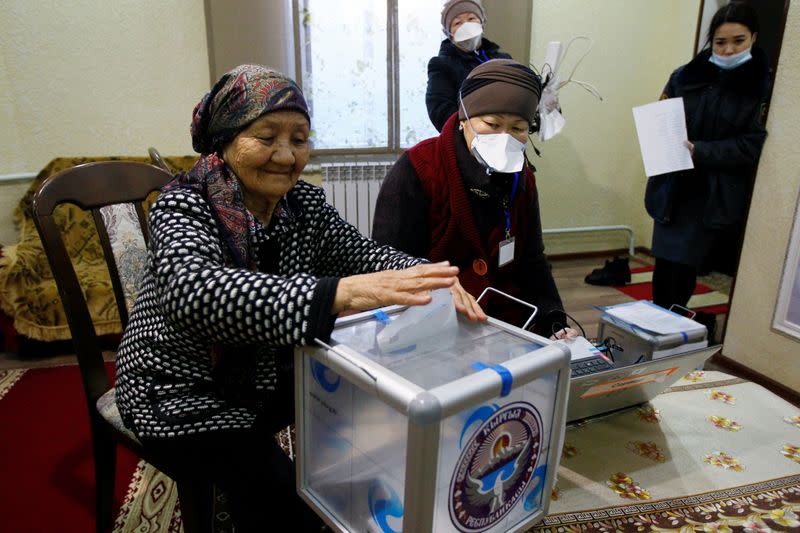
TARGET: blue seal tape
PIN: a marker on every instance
(505, 376)
(380, 316)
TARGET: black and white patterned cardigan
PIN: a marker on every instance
(190, 302)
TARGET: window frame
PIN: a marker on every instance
(392, 77)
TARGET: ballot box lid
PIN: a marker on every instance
(437, 359)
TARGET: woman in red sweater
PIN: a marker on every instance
(469, 196)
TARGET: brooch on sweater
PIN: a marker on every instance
(480, 193)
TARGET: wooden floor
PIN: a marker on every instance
(578, 297)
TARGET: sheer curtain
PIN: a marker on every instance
(344, 72)
(420, 35)
(348, 78)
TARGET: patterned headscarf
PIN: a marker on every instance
(236, 100)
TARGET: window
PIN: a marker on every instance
(363, 66)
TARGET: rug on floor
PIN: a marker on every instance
(712, 454)
(704, 299)
(46, 451)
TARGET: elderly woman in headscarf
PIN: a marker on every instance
(245, 262)
(464, 48)
(469, 197)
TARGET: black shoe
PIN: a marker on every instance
(709, 320)
(614, 272)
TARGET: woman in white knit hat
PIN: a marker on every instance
(464, 49)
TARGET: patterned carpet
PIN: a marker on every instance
(49, 455)
(713, 454)
(7, 380)
(704, 299)
(151, 503)
(46, 451)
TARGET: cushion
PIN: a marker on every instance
(107, 407)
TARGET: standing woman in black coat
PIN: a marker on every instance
(723, 89)
(464, 49)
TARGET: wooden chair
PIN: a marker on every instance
(157, 160)
(108, 189)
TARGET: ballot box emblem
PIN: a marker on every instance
(325, 377)
(385, 507)
(496, 466)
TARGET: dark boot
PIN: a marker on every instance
(614, 272)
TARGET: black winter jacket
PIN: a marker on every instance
(724, 122)
(446, 73)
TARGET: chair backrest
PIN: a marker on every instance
(97, 187)
(157, 160)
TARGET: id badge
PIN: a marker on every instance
(506, 252)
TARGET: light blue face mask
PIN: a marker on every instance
(731, 62)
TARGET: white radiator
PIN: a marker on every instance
(352, 188)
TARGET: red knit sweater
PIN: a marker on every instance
(427, 208)
(454, 234)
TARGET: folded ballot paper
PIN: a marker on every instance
(421, 325)
(650, 317)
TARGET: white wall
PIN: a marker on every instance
(95, 78)
(592, 173)
(749, 338)
(11, 143)
(508, 23)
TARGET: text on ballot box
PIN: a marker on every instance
(456, 431)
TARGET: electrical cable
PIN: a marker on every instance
(565, 324)
(588, 87)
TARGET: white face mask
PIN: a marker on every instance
(498, 152)
(732, 61)
(468, 36)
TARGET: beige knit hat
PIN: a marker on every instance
(454, 8)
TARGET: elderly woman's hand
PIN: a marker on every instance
(411, 286)
(465, 303)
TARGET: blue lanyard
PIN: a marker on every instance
(481, 55)
(507, 207)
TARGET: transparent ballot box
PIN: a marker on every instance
(456, 429)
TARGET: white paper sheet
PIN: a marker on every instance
(420, 324)
(661, 127)
(653, 318)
